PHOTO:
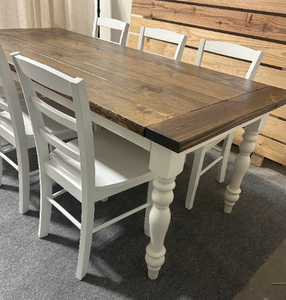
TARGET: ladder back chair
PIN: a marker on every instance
(91, 168)
(163, 35)
(121, 26)
(233, 51)
(16, 128)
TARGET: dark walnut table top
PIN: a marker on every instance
(175, 104)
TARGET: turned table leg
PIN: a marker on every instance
(166, 165)
(160, 217)
(242, 162)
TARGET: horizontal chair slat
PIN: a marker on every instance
(59, 144)
(55, 114)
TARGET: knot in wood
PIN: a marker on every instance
(152, 88)
(272, 98)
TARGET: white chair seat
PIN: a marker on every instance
(113, 165)
(5, 119)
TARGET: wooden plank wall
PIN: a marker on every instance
(259, 24)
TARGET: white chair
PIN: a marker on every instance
(112, 24)
(163, 35)
(16, 128)
(91, 168)
(230, 50)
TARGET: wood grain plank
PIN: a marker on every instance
(239, 22)
(132, 78)
(123, 56)
(100, 99)
(272, 6)
(217, 119)
(105, 96)
(138, 65)
(256, 159)
(280, 113)
(135, 69)
(90, 65)
(275, 129)
(275, 53)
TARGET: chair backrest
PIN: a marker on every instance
(112, 24)
(163, 35)
(232, 50)
(30, 71)
(11, 104)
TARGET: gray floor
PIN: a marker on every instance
(269, 282)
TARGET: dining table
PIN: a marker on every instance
(169, 108)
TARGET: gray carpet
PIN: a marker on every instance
(210, 255)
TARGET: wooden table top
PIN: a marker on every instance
(175, 104)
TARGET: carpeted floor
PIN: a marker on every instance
(210, 254)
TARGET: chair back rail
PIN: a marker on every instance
(165, 36)
(233, 51)
(112, 24)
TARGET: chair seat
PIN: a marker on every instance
(6, 120)
(117, 161)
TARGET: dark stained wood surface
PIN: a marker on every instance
(175, 104)
(219, 117)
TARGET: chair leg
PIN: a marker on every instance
(225, 155)
(45, 205)
(87, 217)
(147, 211)
(195, 177)
(24, 180)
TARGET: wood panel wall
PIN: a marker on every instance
(259, 24)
